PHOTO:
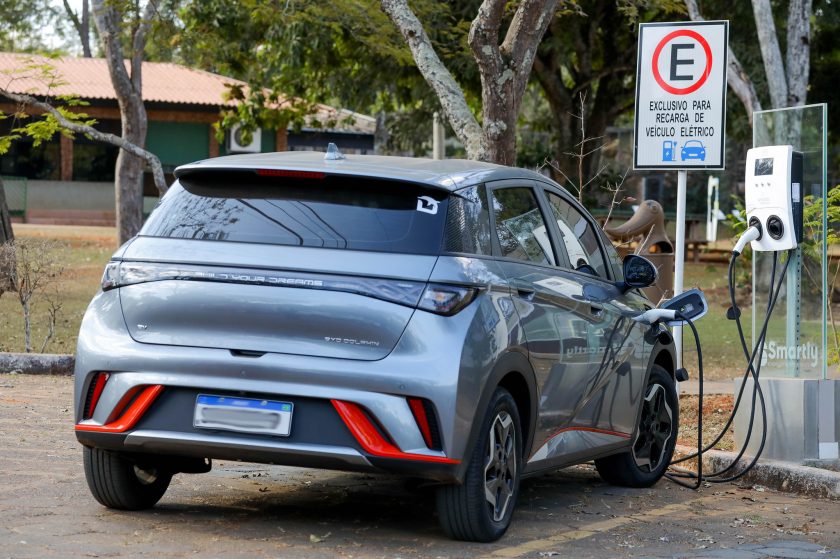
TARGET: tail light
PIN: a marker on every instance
(446, 299)
(290, 173)
(120, 274)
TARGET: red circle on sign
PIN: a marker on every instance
(696, 85)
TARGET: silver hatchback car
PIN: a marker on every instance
(455, 321)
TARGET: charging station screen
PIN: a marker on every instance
(764, 166)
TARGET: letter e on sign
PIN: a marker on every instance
(681, 96)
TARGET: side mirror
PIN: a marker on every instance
(638, 272)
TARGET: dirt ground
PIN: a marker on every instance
(716, 411)
(255, 511)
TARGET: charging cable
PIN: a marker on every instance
(753, 369)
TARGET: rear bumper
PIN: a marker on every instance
(323, 435)
(232, 447)
(228, 447)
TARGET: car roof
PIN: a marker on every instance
(693, 142)
(444, 174)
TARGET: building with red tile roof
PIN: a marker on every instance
(182, 105)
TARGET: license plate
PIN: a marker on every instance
(244, 415)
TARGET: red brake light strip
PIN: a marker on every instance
(370, 439)
(290, 173)
(130, 417)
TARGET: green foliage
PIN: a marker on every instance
(35, 125)
(344, 53)
(22, 23)
(585, 68)
(813, 216)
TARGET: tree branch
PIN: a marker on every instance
(524, 34)
(740, 83)
(150, 158)
(484, 38)
(139, 44)
(107, 19)
(74, 19)
(450, 94)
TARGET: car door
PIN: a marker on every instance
(562, 329)
(603, 406)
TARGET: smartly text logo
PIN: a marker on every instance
(808, 352)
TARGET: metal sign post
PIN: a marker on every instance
(679, 254)
(680, 121)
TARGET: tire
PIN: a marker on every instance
(467, 512)
(120, 483)
(655, 438)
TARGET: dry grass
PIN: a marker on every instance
(716, 410)
(88, 250)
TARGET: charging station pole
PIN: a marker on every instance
(679, 254)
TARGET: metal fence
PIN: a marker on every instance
(15, 188)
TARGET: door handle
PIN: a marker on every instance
(526, 293)
(595, 310)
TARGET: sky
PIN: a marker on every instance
(52, 37)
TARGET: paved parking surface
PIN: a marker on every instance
(247, 510)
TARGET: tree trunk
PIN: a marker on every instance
(129, 91)
(84, 29)
(6, 233)
(27, 327)
(7, 282)
(737, 78)
(504, 70)
(798, 50)
(499, 136)
(82, 26)
(771, 54)
(128, 186)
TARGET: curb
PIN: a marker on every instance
(37, 363)
(775, 474)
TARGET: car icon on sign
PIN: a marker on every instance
(693, 149)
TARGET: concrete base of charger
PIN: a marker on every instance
(803, 419)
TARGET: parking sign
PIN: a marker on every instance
(681, 96)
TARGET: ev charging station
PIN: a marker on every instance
(802, 403)
(680, 125)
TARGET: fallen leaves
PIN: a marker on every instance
(318, 539)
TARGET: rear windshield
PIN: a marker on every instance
(332, 212)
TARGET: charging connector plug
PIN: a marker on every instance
(652, 316)
(753, 233)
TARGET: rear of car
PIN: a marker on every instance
(448, 320)
(284, 317)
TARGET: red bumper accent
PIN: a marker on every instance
(370, 439)
(130, 416)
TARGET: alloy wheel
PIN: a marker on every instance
(501, 465)
(655, 429)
